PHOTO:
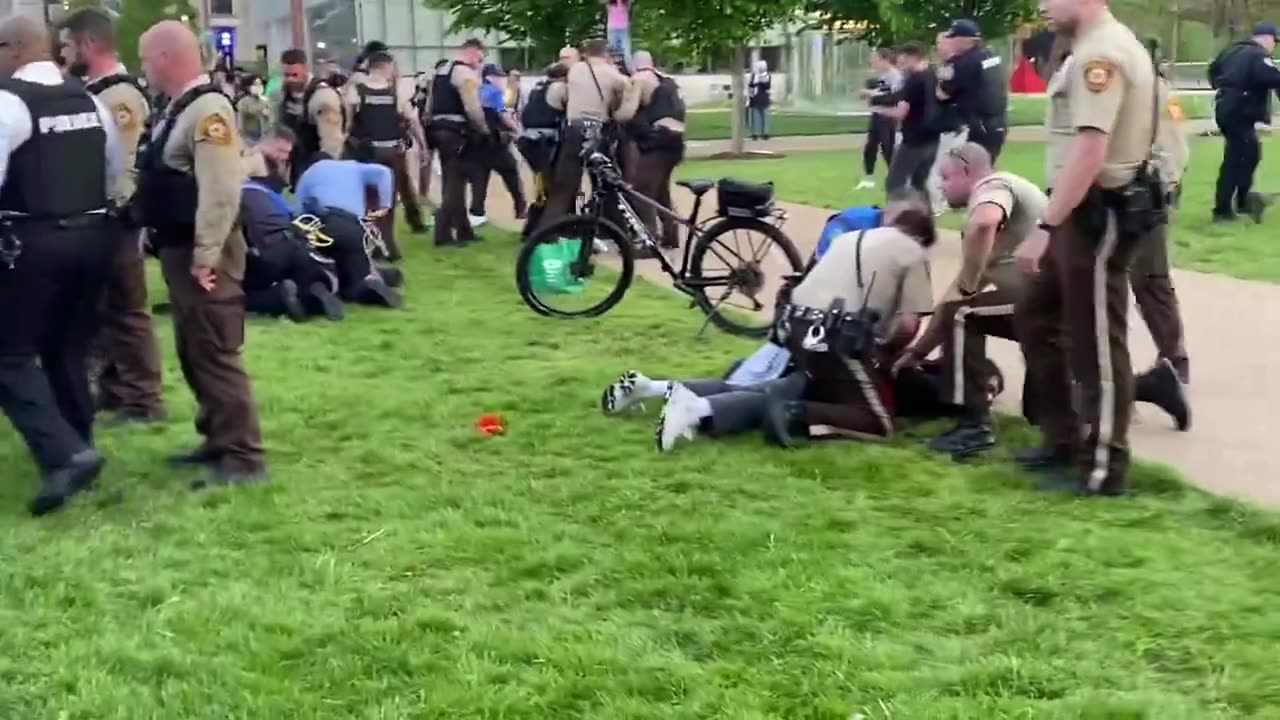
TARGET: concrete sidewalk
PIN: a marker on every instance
(1234, 352)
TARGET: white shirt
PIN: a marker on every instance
(15, 120)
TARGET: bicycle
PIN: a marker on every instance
(743, 207)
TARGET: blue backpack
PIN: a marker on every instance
(850, 220)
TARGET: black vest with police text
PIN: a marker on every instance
(167, 198)
(538, 113)
(445, 98)
(61, 171)
(377, 122)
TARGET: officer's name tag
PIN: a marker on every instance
(69, 123)
(990, 63)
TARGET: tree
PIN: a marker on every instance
(894, 21)
(133, 19)
(545, 25)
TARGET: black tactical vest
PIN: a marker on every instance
(377, 122)
(61, 171)
(445, 98)
(293, 114)
(538, 113)
(167, 198)
(101, 85)
(664, 103)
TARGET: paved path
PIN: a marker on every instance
(1234, 348)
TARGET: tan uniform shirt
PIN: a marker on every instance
(1172, 151)
(130, 109)
(895, 276)
(1110, 86)
(325, 110)
(580, 97)
(1023, 205)
(206, 144)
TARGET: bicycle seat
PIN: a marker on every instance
(697, 187)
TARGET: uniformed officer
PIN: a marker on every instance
(880, 276)
(312, 109)
(60, 160)
(539, 138)
(1003, 210)
(381, 119)
(592, 92)
(189, 187)
(1243, 76)
(130, 377)
(455, 116)
(974, 82)
(1105, 200)
(655, 113)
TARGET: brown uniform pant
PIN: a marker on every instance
(1156, 298)
(209, 332)
(130, 378)
(965, 369)
(650, 174)
(456, 166)
(403, 191)
(1073, 323)
(843, 395)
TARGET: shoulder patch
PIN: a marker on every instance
(1098, 75)
(125, 117)
(1176, 113)
(470, 84)
(214, 129)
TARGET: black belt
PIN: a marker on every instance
(75, 221)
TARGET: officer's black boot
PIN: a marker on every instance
(62, 484)
(1161, 387)
(292, 302)
(320, 296)
(377, 292)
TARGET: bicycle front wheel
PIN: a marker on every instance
(736, 270)
(575, 267)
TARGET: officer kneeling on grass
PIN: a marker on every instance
(843, 326)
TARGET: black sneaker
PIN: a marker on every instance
(377, 292)
(329, 303)
(1042, 459)
(62, 484)
(1161, 387)
(293, 307)
(965, 441)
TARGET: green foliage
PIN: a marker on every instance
(892, 21)
(134, 19)
(546, 25)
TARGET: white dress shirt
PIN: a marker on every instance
(15, 120)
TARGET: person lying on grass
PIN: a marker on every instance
(839, 335)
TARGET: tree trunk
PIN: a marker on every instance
(738, 88)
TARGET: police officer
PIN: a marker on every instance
(655, 113)
(1243, 76)
(60, 160)
(974, 84)
(381, 118)
(130, 377)
(592, 92)
(312, 109)
(539, 138)
(1105, 200)
(189, 186)
(1003, 210)
(456, 117)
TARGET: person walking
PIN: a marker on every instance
(882, 132)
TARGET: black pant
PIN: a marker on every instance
(1241, 153)
(911, 163)
(566, 176)
(50, 314)
(881, 138)
(990, 137)
(457, 164)
(351, 261)
(495, 156)
(284, 258)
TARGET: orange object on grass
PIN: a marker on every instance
(491, 425)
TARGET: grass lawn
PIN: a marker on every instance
(827, 179)
(1023, 110)
(402, 566)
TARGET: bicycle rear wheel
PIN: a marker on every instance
(575, 267)
(748, 256)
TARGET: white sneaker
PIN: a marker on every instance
(477, 220)
(679, 418)
(867, 184)
(621, 395)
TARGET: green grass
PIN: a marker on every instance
(827, 179)
(402, 566)
(1023, 110)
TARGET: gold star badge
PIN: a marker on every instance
(214, 129)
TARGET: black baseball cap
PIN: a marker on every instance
(491, 69)
(1266, 28)
(964, 29)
